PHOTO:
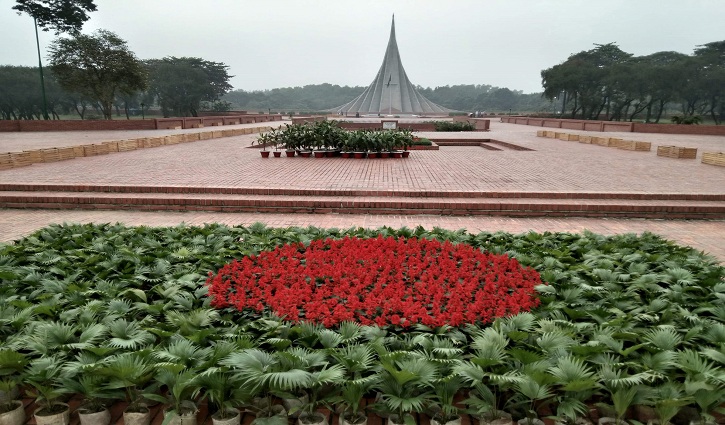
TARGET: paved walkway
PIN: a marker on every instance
(553, 166)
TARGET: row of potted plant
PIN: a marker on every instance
(326, 138)
(311, 368)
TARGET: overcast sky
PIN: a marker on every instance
(283, 43)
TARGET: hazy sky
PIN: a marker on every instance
(283, 43)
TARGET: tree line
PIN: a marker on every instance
(99, 72)
(326, 97)
(608, 83)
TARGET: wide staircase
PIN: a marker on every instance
(315, 201)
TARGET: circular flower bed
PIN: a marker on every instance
(382, 281)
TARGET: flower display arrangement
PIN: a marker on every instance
(621, 328)
(379, 281)
(327, 139)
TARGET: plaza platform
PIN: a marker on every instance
(555, 186)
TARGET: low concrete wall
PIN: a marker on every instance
(618, 126)
(148, 124)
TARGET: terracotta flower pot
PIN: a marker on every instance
(397, 154)
(15, 416)
(265, 154)
(330, 154)
(359, 155)
(406, 154)
(320, 154)
(384, 154)
(277, 154)
(346, 154)
(305, 154)
(289, 153)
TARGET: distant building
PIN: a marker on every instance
(391, 92)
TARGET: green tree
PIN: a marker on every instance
(583, 78)
(711, 61)
(97, 66)
(180, 85)
(58, 15)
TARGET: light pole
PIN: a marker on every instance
(40, 67)
(143, 116)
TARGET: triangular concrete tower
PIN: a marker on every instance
(391, 92)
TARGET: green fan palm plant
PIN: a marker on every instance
(704, 383)
(624, 390)
(182, 385)
(404, 385)
(12, 363)
(575, 383)
(131, 372)
(487, 372)
(361, 374)
(43, 375)
(667, 400)
(267, 376)
(93, 387)
(532, 389)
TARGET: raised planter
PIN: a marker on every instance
(714, 158)
(632, 145)
(677, 152)
(568, 137)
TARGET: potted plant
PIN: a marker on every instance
(575, 383)
(532, 390)
(623, 390)
(43, 375)
(263, 139)
(12, 363)
(132, 372)
(225, 392)
(320, 380)
(96, 395)
(667, 400)
(702, 385)
(360, 376)
(487, 371)
(267, 376)
(404, 386)
(445, 388)
(182, 388)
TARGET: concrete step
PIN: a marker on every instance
(515, 207)
(13, 187)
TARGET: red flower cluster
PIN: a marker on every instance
(378, 281)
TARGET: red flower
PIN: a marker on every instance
(377, 281)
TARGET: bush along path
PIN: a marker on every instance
(579, 326)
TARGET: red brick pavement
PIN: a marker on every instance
(554, 166)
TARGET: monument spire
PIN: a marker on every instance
(391, 92)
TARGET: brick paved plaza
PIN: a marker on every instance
(554, 166)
